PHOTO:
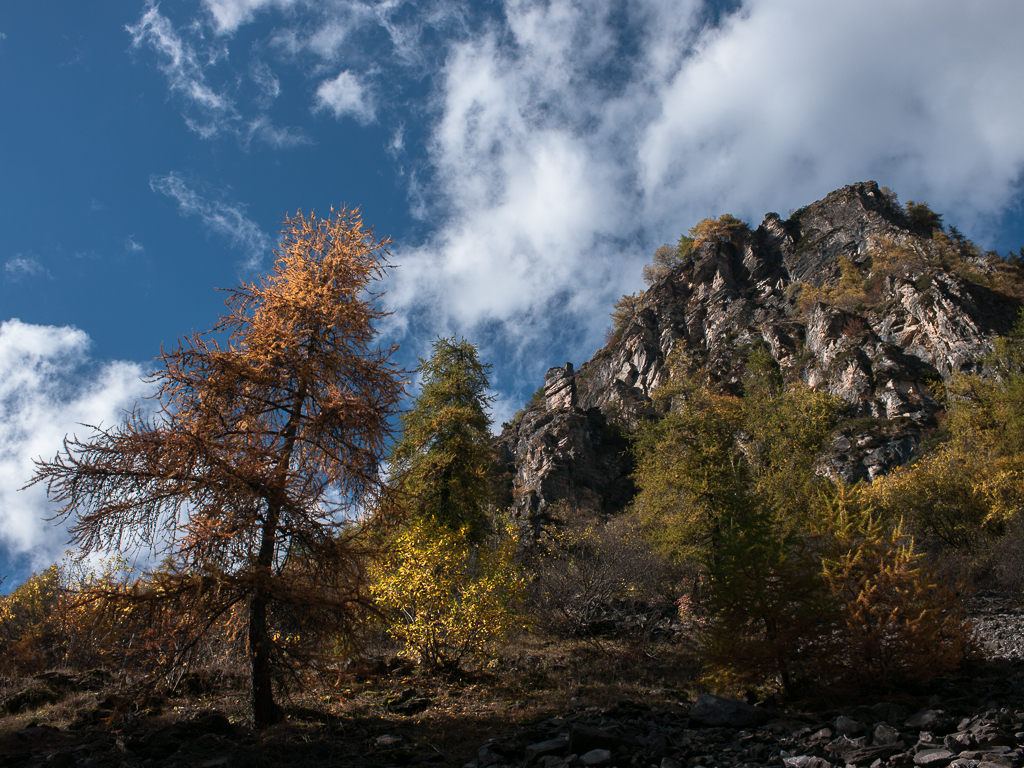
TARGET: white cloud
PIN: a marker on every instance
(210, 112)
(396, 146)
(346, 96)
(229, 15)
(182, 65)
(227, 219)
(554, 179)
(795, 97)
(50, 388)
(279, 138)
(131, 246)
(534, 166)
(565, 141)
(268, 83)
(20, 266)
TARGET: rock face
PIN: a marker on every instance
(559, 452)
(849, 297)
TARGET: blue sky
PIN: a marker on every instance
(526, 157)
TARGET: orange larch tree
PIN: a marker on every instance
(256, 474)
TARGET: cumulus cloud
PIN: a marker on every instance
(50, 389)
(791, 98)
(227, 219)
(556, 173)
(562, 142)
(17, 267)
(533, 180)
(346, 96)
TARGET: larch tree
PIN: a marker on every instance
(443, 461)
(259, 469)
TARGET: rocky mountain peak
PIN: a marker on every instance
(852, 295)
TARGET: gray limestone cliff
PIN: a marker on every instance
(849, 295)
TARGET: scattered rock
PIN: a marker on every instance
(596, 758)
(549, 747)
(583, 739)
(933, 758)
(716, 711)
(847, 726)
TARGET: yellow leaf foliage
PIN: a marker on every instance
(51, 620)
(898, 620)
(446, 598)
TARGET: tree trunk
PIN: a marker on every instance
(264, 711)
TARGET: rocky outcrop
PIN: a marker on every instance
(559, 452)
(878, 336)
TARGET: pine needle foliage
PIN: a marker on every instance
(441, 464)
(898, 621)
(625, 309)
(267, 446)
(720, 230)
(689, 471)
(962, 494)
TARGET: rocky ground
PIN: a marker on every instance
(974, 720)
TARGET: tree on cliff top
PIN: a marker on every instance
(265, 451)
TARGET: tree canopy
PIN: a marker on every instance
(443, 459)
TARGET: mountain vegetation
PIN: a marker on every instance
(794, 458)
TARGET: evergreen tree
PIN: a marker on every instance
(442, 462)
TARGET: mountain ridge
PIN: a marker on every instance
(875, 303)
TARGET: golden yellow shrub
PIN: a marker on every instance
(446, 598)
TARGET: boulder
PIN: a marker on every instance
(717, 711)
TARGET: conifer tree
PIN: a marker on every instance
(443, 460)
(267, 446)
(449, 579)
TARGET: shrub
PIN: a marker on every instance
(720, 230)
(668, 258)
(589, 574)
(51, 619)
(898, 621)
(446, 598)
(805, 582)
(850, 293)
(922, 218)
(962, 493)
(837, 600)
